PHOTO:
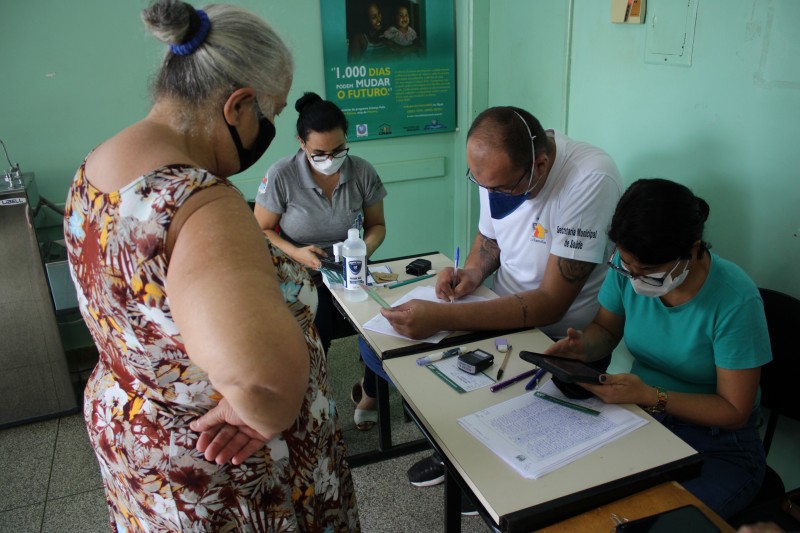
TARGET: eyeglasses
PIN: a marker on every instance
(649, 280)
(319, 158)
(510, 191)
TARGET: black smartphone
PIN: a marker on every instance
(686, 518)
(565, 369)
(330, 264)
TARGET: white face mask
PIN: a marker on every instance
(328, 167)
(653, 291)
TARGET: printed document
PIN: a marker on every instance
(536, 436)
(381, 325)
(447, 370)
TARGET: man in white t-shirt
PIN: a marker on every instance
(546, 204)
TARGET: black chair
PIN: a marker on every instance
(779, 396)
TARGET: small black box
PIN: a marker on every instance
(418, 267)
(475, 361)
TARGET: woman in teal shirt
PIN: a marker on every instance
(694, 323)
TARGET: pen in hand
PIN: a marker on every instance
(504, 363)
(534, 382)
(455, 272)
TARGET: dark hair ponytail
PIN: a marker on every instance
(316, 114)
(658, 220)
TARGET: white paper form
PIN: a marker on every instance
(536, 436)
(379, 324)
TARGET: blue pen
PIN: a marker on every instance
(535, 379)
(455, 270)
(455, 267)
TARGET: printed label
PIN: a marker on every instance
(13, 201)
(354, 273)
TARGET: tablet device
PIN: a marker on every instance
(687, 518)
(565, 369)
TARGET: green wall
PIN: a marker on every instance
(726, 126)
(77, 72)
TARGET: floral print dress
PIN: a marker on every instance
(145, 390)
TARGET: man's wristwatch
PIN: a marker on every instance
(661, 404)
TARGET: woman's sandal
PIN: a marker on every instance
(356, 393)
(365, 419)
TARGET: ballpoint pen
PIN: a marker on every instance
(503, 384)
(422, 361)
(535, 379)
(455, 267)
(504, 363)
(455, 272)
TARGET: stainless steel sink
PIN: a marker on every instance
(34, 375)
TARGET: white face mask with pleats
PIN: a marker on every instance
(641, 287)
(329, 166)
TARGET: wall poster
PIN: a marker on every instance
(390, 65)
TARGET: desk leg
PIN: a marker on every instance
(384, 417)
(452, 504)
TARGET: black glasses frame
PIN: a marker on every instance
(495, 190)
(650, 280)
(319, 158)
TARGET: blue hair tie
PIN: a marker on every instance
(190, 47)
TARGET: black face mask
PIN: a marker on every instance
(247, 157)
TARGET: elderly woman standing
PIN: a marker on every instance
(209, 409)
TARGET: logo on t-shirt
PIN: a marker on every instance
(579, 236)
(538, 233)
(263, 187)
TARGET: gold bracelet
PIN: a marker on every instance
(661, 404)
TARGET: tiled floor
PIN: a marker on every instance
(49, 479)
(50, 482)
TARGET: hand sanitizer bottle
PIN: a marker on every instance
(354, 252)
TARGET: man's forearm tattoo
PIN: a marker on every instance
(574, 271)
(489, 256)
(524, 308)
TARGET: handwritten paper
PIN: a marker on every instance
(379, 324)
(535, 436)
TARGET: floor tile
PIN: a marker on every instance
(23, 519)
(388, 502)
(86, 512)
(26, 455)
(75, 468)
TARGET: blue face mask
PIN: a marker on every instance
(502, 205)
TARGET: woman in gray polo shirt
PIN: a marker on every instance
(309, 200)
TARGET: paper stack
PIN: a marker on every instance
(536, 436)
